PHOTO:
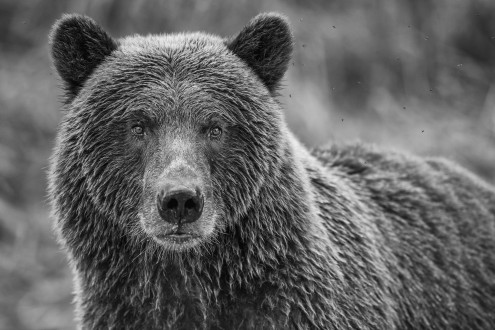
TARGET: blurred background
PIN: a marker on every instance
(416, 75)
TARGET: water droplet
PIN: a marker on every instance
(422, 131)
(334, 26)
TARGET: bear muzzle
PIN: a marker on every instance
(179, 198)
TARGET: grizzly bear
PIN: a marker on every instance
(183, 201)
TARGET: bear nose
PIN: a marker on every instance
(180, 205)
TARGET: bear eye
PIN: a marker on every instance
(215, 132)
(137, 130)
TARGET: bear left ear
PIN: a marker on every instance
(78, 46)
(265, 44)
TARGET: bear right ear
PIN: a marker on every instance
(265, 44)
(78, 46)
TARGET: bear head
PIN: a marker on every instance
(169, 137)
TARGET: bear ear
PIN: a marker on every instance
(265, 44)
(78, 46)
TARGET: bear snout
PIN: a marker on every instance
(179, 196)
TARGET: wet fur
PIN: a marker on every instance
(343, 237)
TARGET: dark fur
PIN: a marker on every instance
(265, 44)
(344, 238)
(78, 47)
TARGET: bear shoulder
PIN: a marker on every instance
(432, 221)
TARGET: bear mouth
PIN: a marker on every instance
(177, 237)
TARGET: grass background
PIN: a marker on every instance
(408, 74)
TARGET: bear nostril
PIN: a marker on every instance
(172, 204)
(190, 204)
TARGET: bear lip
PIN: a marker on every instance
(177, 236)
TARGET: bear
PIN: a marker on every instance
(183, 201)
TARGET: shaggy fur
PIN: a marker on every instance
(344, 237)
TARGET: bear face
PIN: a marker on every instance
(170, 136)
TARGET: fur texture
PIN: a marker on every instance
(78, 47)
(344, 237)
